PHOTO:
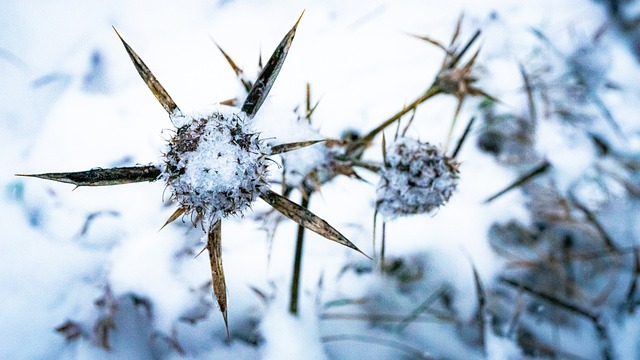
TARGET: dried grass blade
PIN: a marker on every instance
(283, 148)
(263, 84)
(214, 246)
(147, 76)
(306, 218)
(103, 177)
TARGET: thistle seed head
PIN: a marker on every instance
(215, 166)
(417, 178)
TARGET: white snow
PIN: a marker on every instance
(71, 100)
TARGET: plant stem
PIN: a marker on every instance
(297, 262)
(431, 92)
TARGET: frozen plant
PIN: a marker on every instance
(509, 136)
(214, 165)
(305, 170)
(453, 78)
(416, 178)
(572, 89)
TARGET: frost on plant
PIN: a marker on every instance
(215, 165)
(416, 178)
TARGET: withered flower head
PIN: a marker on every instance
(214, 165)
(416, 178)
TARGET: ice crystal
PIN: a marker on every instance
(417, 178)
(215, 166)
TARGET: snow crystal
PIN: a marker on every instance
(417, 178)
(215, 165)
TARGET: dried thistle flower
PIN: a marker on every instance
(214, 165)
(416, 178)
(454, 78)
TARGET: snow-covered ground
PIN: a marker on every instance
(547, 270)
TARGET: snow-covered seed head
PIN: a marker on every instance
(215, 166)
(417, 178)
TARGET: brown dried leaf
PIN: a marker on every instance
(214, 245)
(229, 102)
(306, 218)
(283, 148)
(263, 84)
(103, 177)
(147, 76)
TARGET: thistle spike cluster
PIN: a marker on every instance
(214, 165)
(454, 78)
(416, 178)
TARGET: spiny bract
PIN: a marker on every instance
(417, 178)
(215, 166)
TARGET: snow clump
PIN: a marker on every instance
(215, 166)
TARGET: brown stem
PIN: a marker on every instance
(431, 92)
(297, 262)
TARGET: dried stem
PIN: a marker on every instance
(424, 306)
(431, 92)
(411, 351)
(297, 261)
(606, 350)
